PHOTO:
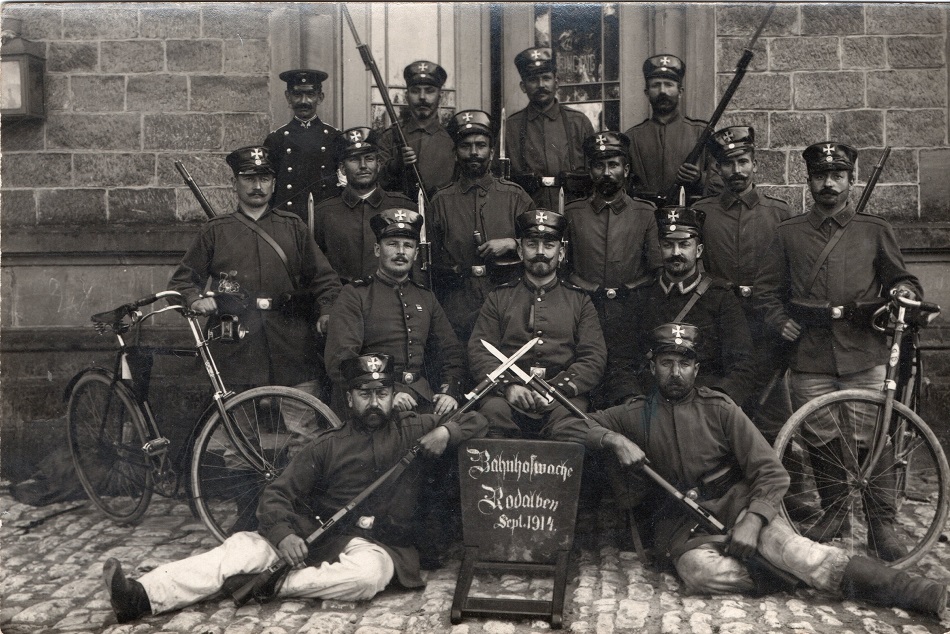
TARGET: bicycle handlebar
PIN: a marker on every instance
(907, 302)
(115, 318)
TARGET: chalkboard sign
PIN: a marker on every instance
(519, 498)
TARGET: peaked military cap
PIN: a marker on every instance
(304, 79)
(469, 122)
(356, 141)
(423, 72)
(540, 223)
(534, 61)
(605, 144)
(732, 141)
(370, 370)
(679, 222)
(681, 338)
(397, 222)
(253, 159)
(829, 155)
(665, 65)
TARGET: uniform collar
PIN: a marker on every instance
(388, 280)
(617, 206)
(315, 121)
(690, 396)
(750, 198)
(552, 112)
(546, 288)
(431, 126)
(683, 286)
(841, 218)
(352, 199)
(676, 117)
(485, 182)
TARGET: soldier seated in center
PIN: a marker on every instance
(570, 353)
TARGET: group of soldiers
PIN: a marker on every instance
(677, 319)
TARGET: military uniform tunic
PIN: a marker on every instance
(543, 143)
(489, 205)
(403, 320)
(302, 153)
(279, 348)
(435, 156)
(865, 263)
(342, 231)
(724, 351)
(657, 150)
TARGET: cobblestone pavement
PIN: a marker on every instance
(50, 581)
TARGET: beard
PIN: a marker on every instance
(474, 168)
(608, 186)
(374, 418)
(664, 104)
(674, 388)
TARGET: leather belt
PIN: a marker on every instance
(610, 293)
(548, 181)
(479, 270)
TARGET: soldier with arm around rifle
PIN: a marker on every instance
(362, 553)
(701, 441)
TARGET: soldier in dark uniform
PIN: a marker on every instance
(699, 440)
(543, 141)
(823, 277)
(367, 549)
(681, 292)
(430, 145)
(303, 150)
(660, 145)
(389, 313)
(285, 299)
(473, 225)
(571, 352)
(341, 224)
(612, 239)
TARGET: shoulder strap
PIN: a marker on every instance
(701, 288)
(253, 226)
(835, 237)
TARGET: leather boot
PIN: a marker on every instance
(128, 598)
(831, 482)
(872, 581)
(880, 508)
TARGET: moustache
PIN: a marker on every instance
(399, 259)
(829, 191)
(738, 178)
(539, 259)
(676, 258)
(257, 192)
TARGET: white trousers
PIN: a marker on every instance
(705, 570)
(363, 570)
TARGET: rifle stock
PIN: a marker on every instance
(872, 180)
(193, 186)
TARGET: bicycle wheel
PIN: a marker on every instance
(231, 464)
(106, 436)
(909, 483)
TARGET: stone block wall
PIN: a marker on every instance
(131, 88)
(865, 74)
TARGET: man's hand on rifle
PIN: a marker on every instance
(687, 174)
(628, 452)
(744, 536)
(292, 549)
(435, 442)
(496, 248)
(205, 306)
(791, 331)
(444, 404)
(407, 156)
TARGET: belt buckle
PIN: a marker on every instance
(538, 372)
(408, 377)
(837, 312)
(745, 291)
(478, 270)
(611, 293)
(264, 303)
(548, 181)
(366, 522)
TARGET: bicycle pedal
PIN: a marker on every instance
(156, 446)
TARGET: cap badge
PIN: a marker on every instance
(727, 136)
(355, 136)
(303, 79)
(601, 139)
(467, 116)
(665, 61)
(541, 217)
(374, 364)
(673, 215)
(535, 54)
(257, 153)
(400, 215)
(423, 67)
(678, 333)
(828, 150)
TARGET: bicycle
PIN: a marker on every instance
(239, 444)
(904, 467)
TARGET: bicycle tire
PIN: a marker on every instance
(106, 446)
(225, 487)
(921, 474)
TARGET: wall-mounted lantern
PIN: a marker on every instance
(22, 67)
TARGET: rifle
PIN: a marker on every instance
(700, 147)
(701, 515)
(193, 186)
(263, 586)
(503, 161)
(371, 66)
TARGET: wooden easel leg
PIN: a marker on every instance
(637, 542)
(464, 583)
(560, 585)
